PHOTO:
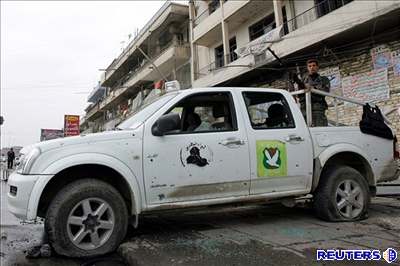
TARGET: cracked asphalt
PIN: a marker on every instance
(241, 235)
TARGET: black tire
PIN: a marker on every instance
(326, 201)
(64, 203)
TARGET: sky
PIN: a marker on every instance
(51, 53)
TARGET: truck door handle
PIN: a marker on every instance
(228, 142)
(294, 138)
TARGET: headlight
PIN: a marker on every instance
(26, 161)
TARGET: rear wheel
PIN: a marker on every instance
(87, 218)
(342, 195)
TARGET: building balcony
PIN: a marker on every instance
(92, 112)
(218, 71)
(208, 31)
(96, 94)
(168, 14)
(172, 56)
(306, 29)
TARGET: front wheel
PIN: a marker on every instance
(342, 195)
(87, 218)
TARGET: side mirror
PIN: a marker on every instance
(165, 124)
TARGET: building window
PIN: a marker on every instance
(262, 27)
(213, 5)
(219, 56)
(219, 53)
(326, 6)
(232, 48)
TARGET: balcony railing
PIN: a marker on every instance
(120, 88)
(321, 9)
(298, 21)
(92, 110)
(217, 65)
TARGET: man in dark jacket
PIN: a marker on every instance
(315, 81)
(10, 158)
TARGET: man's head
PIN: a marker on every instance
(312, 66)
(11, 149)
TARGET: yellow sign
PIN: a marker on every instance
(271, 158)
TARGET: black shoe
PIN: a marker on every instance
(45, 251)
(33, 252)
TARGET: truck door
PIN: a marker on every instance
(208, 157)
(280, 150)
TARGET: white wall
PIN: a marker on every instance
(242, 38)
(200, 7)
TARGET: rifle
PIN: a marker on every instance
(293, 78)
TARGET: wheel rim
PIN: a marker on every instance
(90, 223)
(349, 199)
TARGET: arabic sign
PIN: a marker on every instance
(368, 87)
(71, 125)
(396, 63)
(271, 158)
(261, 44)
(48, 134)
(381, 57)
(333, 74)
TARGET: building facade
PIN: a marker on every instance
(225, 43)
(350, 38)
(159, 52)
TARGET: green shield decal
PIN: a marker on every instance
(271, 158)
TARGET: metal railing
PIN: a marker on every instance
(335, 104)
(313, 14)
(220, 63)
(121, 88)
(200, 17)
(134, 42)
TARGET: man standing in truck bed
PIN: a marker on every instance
(315, 81)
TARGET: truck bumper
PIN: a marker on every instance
(390, 172)
(19, 192)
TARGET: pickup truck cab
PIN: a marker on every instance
(195, 147)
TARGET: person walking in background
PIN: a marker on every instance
(10, 158)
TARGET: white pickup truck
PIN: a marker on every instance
(195, 147)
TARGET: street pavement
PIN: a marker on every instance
(239, 235)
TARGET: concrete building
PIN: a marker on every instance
(164, 42)
(340, 33)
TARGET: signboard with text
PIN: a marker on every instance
(333, 74)
(48, 134)
(368, 87)
(71, 125)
